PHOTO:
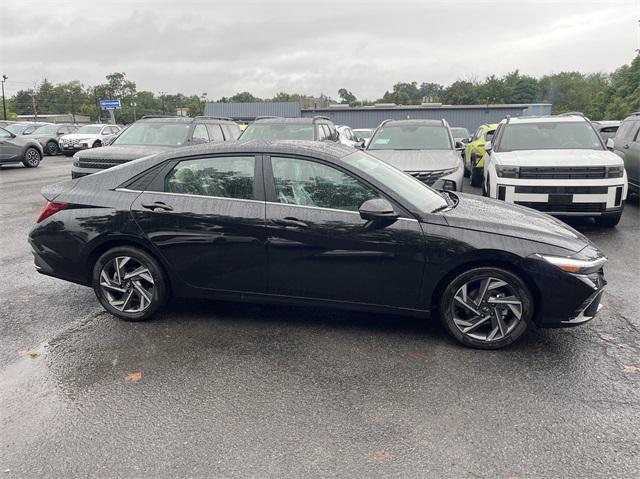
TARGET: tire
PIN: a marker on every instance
(52, 148)
(32, 157)
(486, 330)
(608, 221)
(485, 188)
(466, 170)
(476, 177)
(97, 144)
(143, 294)
(69, 153)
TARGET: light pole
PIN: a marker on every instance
(162, 93)
(4, 105)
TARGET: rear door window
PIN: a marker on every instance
(215, 133)
(200, 132)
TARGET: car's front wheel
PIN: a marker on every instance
(52, 148)
(129, 283)
(32, 158)
(486, 308)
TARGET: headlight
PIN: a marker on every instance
(615, 171)
(578, 266)
(507, 171)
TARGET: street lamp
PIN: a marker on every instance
(4, 105)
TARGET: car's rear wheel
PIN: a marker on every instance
(32, 158)
(608, 221)
(486, 308)
(129, 283)
(52, 148)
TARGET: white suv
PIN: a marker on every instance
(556, 164)
(88, 136)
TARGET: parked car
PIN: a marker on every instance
(19, 149)
(626, 144)
(151, 135)
(460, 134)
(364, 134)
(422, 148)
(474, 154)
(326, 225)
(347, 137)
(606, 129)
(49, 135)
(318, 128)
(87, 136)
(556, 164)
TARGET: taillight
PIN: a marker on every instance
(51, 208)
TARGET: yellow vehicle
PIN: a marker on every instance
(474, 153)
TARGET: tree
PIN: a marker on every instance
(346, 96)
(244, 97)
(431, 92)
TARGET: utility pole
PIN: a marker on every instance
(34, 110)
(162, 93)
(4, 105)
(134, 105)
(95, 98)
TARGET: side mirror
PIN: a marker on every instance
(610, 144)
(488, 147)
(377, 209)
(459, 145)
(466, 140)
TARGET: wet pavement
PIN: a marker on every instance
(224, 389)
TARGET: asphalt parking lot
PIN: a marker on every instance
(222, 390)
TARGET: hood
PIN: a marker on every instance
(418, 160)
(557, 157)
(505, 219)
(122, 153)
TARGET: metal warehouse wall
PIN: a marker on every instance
(248, 111)
(469, 117)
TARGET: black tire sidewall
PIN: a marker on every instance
(160, 285)
(55, 148)
(517, 283)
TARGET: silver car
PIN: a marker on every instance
(424, 149)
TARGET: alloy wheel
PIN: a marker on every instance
(127, 284)
(52, 148)
(33, 157)
(486, 308)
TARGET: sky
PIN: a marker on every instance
(224, 47)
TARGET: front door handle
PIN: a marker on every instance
(289, 222)
(157, 205)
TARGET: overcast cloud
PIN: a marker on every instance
(308, 47)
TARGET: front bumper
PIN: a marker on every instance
(587, 311)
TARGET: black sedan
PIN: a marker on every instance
(319, 224)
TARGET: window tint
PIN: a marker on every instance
(225, 177)
(307, 183)
(609, 129)
(200, 131)
(478, 134)
(278, 131)
(115, 129)
(231, 132)
(215, 133)
(549, 135)
(411, 137)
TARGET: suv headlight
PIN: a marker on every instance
(576, 266)
(504, 171)
(615, 171)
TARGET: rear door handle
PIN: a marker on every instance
(157, 205)
(290, 222)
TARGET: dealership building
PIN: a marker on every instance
(467, 116)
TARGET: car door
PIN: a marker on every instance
(627, 144)
(9, 149)
(320, 248)
(206, 217)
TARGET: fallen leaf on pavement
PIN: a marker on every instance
(631, 369)
(33, 353)
(381, 454)
(133, 377)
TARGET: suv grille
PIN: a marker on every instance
(562, 172)
(430, 177)
(69, 142)
(100, 163)
(570, 208)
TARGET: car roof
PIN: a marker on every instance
(414, 122)
(301, 120)
(566, 118)
(185, 119)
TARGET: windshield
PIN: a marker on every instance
(363, 133)
(414, 191)
(278, 131)
(549, 136)
(47, 130)
(89, 129)
(16, 128)
(459, 132)
(154, 134)
(411, 137)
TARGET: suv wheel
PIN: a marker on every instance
(486, 308)
(32, 157)
(129, 283)
(52, 148)
(97, 144)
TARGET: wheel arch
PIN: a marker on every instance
(100, 247)
(485, 258)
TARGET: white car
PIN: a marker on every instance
(88, 136)
(558, 165)
(348, 138)
(364, 134)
